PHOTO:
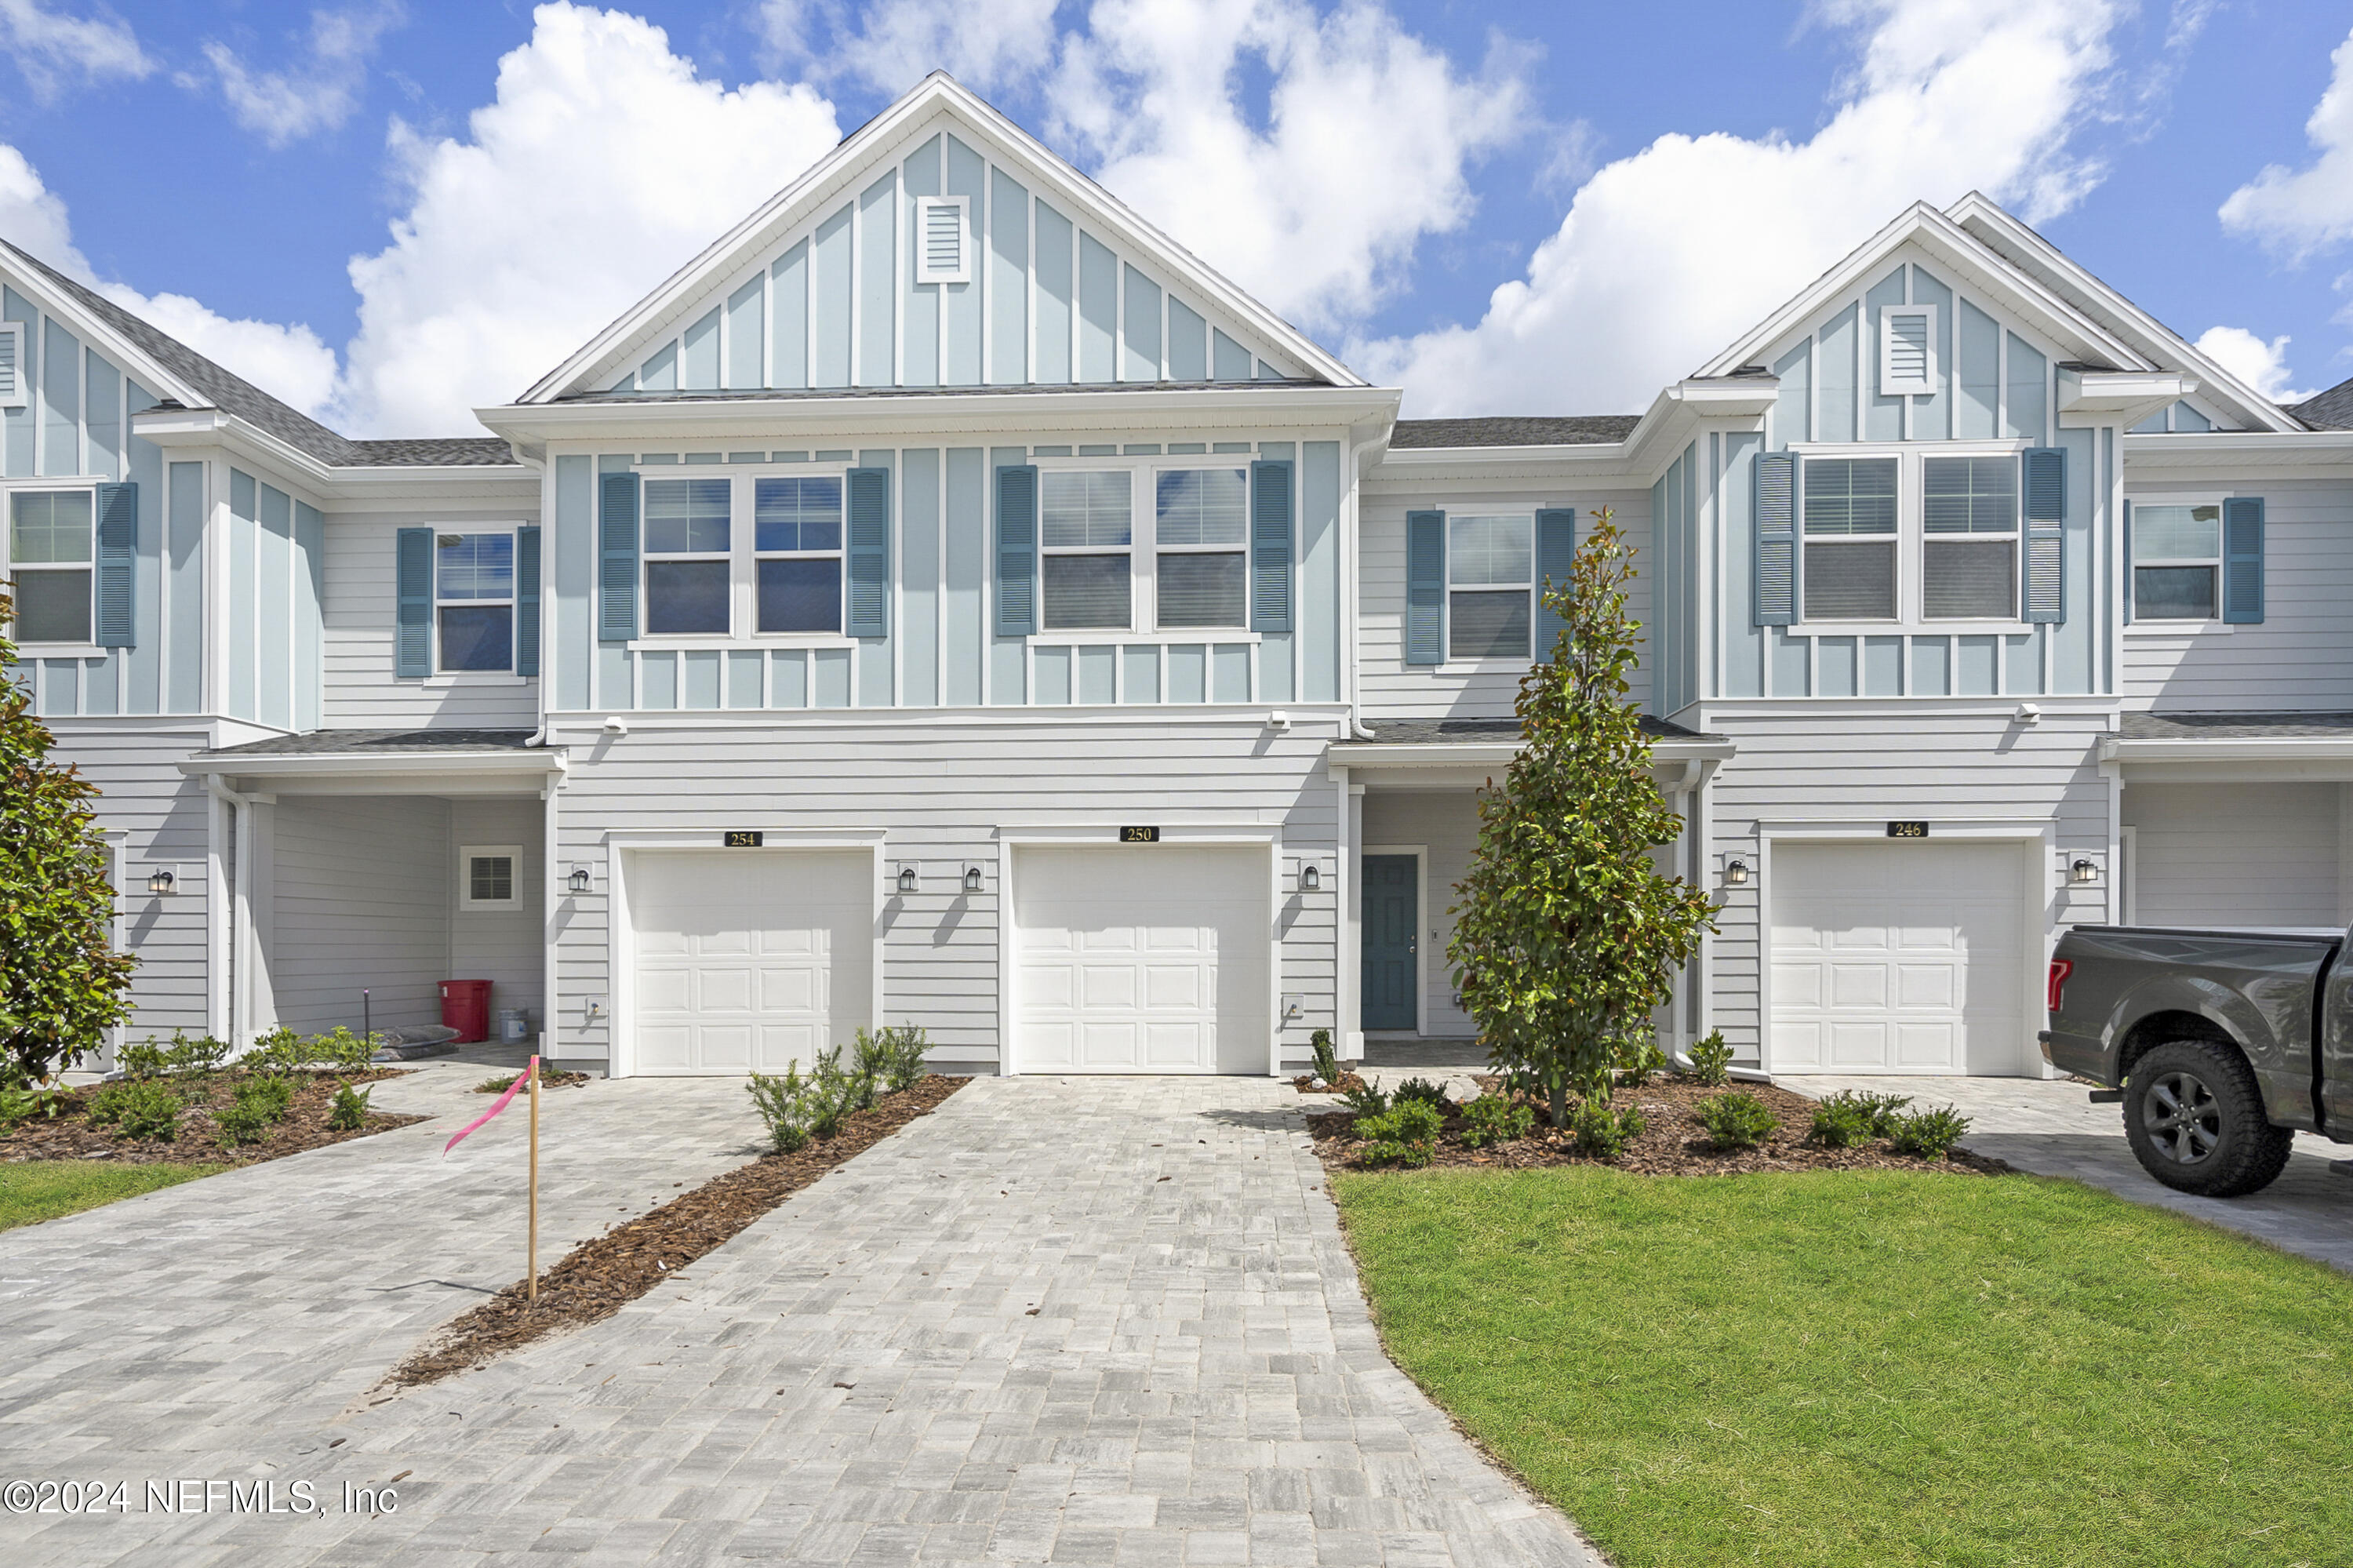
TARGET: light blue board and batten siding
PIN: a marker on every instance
(275, 556)
(77, 425)
(941, 647)
(1048, 302)
(1991, 383)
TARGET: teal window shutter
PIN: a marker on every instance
(869, 566)
(2243, 560)
(118, 554)
(1017, 550)
(1773, 518)
(526, 632)
(617, 558)
(1425, 588)
(412, 638)
(1271, 534)
(1556, 561)
(2043, 581)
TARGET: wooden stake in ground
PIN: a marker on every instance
(531, 1251)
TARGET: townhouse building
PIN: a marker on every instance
(947, 602)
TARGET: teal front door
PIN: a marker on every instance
(1392, 918)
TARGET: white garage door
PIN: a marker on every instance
(1141, 958)
(747, 959)
(1898, 957)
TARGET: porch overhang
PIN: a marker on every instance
(388, 762)
(2232, 748)
(1462, 753)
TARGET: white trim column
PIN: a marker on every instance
(1351, 999)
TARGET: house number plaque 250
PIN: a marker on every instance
(1139, 835)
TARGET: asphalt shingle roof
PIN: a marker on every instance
(2331, 411)
(372, 742)
(1582, 430)
(2237, 726)
(232, 393)
(1458, 732)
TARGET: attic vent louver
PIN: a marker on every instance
(1907, 351)
(940, 250)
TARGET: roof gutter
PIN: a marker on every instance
(2284, 748)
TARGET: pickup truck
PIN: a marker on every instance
(2224, 1044)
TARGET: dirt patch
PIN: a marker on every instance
(599, 1277)
(1672, 1143)
(70, 1136)
(548, 1080)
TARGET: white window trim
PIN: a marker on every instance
(1909, 536)
(472, 852)
(87, 648)
(512, 603)
(744, 536)
(1502, 661)
(2210, 625)
(2015, 538)
(1922, 385)
(1140, 600)
(734, 555)
(924, 272)
(1148, 570)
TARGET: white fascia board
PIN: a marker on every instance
(1986, 222)
(194, 431)
(1957, 251)
(2286, 748)
(1418, 465)
(2161, 451)
(932, 410)
(839, 170)
(2127, 397)
(1355, 753)
(394, 765)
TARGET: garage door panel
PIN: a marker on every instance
(1898, 957)
(1141, 959)
(748, 961)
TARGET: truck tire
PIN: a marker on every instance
(2194, 1116)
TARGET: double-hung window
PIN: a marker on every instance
(1849, 530)
(2177, 562)
(797, 537)
(1200, 543)
(1088, 525)
(51, 552)
(1490, 586)
(473, 601)
(687, 534)
(1969, 560)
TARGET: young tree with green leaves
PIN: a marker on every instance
(62, 984)
(1566, 934)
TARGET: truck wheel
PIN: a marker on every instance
(2195, 1118)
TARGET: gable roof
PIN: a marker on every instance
(838, 175)
(189, 380)
(1984, 245)
(2330, 410)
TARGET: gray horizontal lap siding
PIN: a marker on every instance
(360, 895)
(2239, 854)
(361, 604)
(941, 794)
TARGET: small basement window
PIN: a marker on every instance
(940, 250)
(490, 876)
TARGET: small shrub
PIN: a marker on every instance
(21, 1102)
(138, 1108)
(349, 1113)
(242, 1122)
(280, 1051)
(1641, 1061)
(1839, 1123)
(783, 1104)
(271, 1094)
(1882, 1111)
(903, 1048)
(1365, 1100)
(1600, 1132)
(1328, 1060)
(828, 1093)
(145, 1060)
(1490, 1119)
(1406, 1134)
(1736, 1120)
(1422, 1089)
(196, 1057)
(1711, 1061)
(340, 1051)
(1930, 1134)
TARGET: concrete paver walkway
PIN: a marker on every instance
(1090, 1320)
(2050, 1127)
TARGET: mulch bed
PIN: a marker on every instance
(598, 1278)
(1305, 1085)
(70, 1136)
(1673, 1143)
(497, 1084)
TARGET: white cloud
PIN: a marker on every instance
(603, 165)
(288, 362)
(1370, 134)
(319, 94)
(47, 47)
(1668, 255)
(894, 45)
(2299, 211)
(2262, 365)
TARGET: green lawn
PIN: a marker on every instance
(36, 1190)
(1872, 1369)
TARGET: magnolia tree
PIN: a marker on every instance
(1567, 934)
(62, 984)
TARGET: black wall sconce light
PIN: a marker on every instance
(972, 879)
(1735, 872)
(161, 881)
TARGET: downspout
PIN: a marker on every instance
(240, 911)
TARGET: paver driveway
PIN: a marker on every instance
(1090, 1321)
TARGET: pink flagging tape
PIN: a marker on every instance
(521, 1078)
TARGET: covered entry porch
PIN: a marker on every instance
(1410, 833)
(354, 871)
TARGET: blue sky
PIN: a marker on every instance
(1643, 182)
